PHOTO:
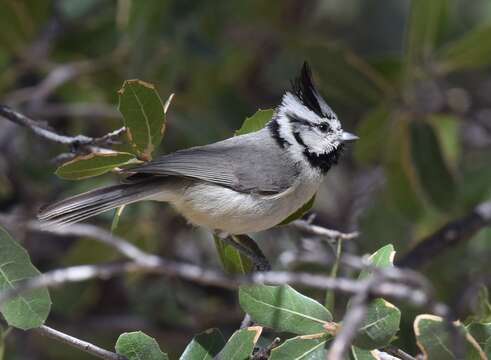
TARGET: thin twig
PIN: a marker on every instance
(193, 273)
(44, 131)
(307, 227)
(77, 343)
(351, 322)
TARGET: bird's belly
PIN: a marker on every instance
(224, 209)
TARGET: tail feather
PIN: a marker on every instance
(80, 207)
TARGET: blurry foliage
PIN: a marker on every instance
(226, 59)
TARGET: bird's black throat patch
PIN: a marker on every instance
(323, 161)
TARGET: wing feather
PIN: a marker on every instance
(251, 163)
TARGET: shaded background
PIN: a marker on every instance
(412, 79)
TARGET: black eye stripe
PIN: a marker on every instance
(295, 119)
(298, 120)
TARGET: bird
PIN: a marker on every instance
(241, 185)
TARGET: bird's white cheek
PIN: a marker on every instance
(321, 145)
(313, 142)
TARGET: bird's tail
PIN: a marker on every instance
(80, 207)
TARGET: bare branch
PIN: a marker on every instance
(307, 227)
(388, 288)
(44, 131)
(351, 323)
(451, 234)
(123, 246)
(77, 343)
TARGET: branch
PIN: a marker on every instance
(402, 285)
(351, 323)
(450, 235)
(307, 227)
(390, 283)
(44, 131)
(77, 343)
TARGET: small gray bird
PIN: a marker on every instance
(240, 185)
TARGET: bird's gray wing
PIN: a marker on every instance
(248, 163)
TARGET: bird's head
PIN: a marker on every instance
(306, 125)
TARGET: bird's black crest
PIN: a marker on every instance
(303, 88)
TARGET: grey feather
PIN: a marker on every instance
(251, 163)
(91, 203)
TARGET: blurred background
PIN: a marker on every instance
(411, 78)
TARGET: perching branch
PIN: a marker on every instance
(451, 234)
(401, 285)
(308, 228)
(77, 343)
(77, 143)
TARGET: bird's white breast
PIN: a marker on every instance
(220, 208)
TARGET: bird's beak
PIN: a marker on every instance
(346, 136)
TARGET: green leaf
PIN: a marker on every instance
(204, 346)
(482, 308)
(475, 185)
(436, 343)
(382, 320)
(241, 344)
(380, 325)
(382, 258)
(300, 212)
(255, 122)
(284, 309)
(362, 354)
(139, 346)
(30, 309)
(447, 129)
(471, 51)
(434, 176)
(306, 347)
(373, 130)
(482, 333)
(233, 261)
(94, 164)
(423, 28)
(144, 116)
(401, 178)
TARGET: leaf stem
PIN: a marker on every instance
(330, 300)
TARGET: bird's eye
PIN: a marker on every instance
(324, 127)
